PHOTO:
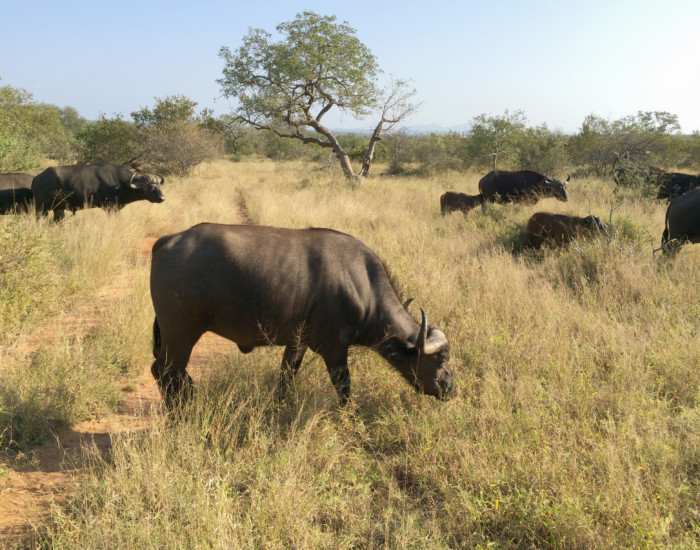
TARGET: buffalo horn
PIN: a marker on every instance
(568, 177)
(436, 342)
(407, 303)
(420, 342)
(131, 181)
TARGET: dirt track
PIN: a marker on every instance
(44, 475)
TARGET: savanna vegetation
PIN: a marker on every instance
(576, 422)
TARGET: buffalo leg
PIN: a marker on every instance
(169, 370)
(291, 361)
(58, 215)
(337, 365)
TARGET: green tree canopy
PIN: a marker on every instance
(167, 110)
(108, 140)
(494, 138)
(287, 86)
(29, 131)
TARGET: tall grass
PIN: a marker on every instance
(576, 422)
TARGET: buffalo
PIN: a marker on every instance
(524, 186)
(451, 201)
(15, 192)
(299, 288)
(100, 185)
(674, 184)
(682, 220)
(559, 229)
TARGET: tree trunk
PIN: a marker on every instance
(339, 152)
(369, 156)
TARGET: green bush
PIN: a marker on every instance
(108, 140)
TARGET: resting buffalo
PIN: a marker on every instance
(450, 201)
(100, 185)
(523, 186)
(15, 192)
(675, 184)
(683, 219)
(298, 288)
(559, 229)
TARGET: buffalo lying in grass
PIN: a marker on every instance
(559, 229)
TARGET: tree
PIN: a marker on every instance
(71, 120)
(174, 108)
(636, 141)
(287, 87)
(175, 137)
(542, 150)
(111, 140)
(28, 131)
(494, 137)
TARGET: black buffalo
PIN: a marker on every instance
(523, 186)
(298, 288)
(560, 229)
(15, 192)
(451, 201)
(683, 220)
(675, 184)
(100, 185)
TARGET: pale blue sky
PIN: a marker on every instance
(558, 61)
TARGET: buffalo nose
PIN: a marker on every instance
(447, 386)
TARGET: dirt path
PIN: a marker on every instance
(45, 475)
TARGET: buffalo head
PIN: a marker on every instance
(557, 188)
(425, 363)
(149, 184)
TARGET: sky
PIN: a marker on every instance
(557, 61)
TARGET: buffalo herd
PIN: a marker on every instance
(545, 228)
(62, 188)
(313, 288)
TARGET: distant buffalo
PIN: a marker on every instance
(523, 186)
(559, 229)
(683, 219)
(451, 201)
(15, 192)
(105, 186)
(303, 289)
(675, 184)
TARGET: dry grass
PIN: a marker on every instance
(576, 423)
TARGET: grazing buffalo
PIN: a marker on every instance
(523, 186)
(559, 229)
(450, 201)
(15, 192)
(298, 288)
(675, 184)
(683, 220)
(100, 185)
